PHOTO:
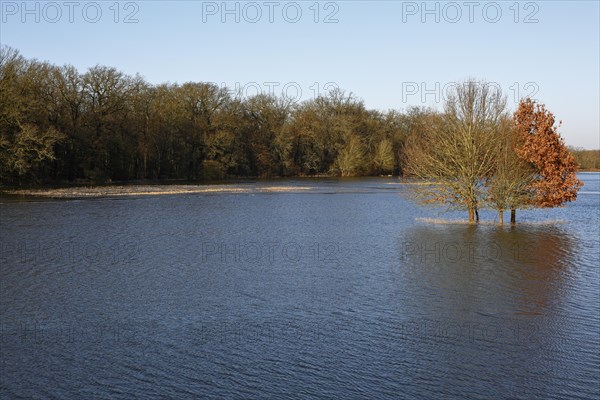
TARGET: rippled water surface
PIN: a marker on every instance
(344, 289)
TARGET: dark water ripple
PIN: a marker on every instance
(343, 292)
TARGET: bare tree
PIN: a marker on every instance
(350, 158)
(29, 147)
(457, 151)
(509, 187)
(383, 159)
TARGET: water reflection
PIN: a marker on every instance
(491, 269)
(492, 296)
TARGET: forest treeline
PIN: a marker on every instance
(58, 124)
(587, 159)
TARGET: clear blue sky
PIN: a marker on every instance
(390, 54)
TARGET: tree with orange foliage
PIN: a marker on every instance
(541, 146)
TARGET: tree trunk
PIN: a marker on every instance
(145, 164)
(501, 216)
(513, 216)
(471, 215)
(476, 214)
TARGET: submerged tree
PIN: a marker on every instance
(555, 178)
(509, 187)
(457, 151)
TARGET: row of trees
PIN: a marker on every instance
(57, 124)
(476, 155)
(587, 159)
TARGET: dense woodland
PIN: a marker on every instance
(587, 159)
(58, 124)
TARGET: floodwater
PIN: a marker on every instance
(343, 289)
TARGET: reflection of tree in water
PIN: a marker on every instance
(503, 308)
(544, 258)
(490, 269)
